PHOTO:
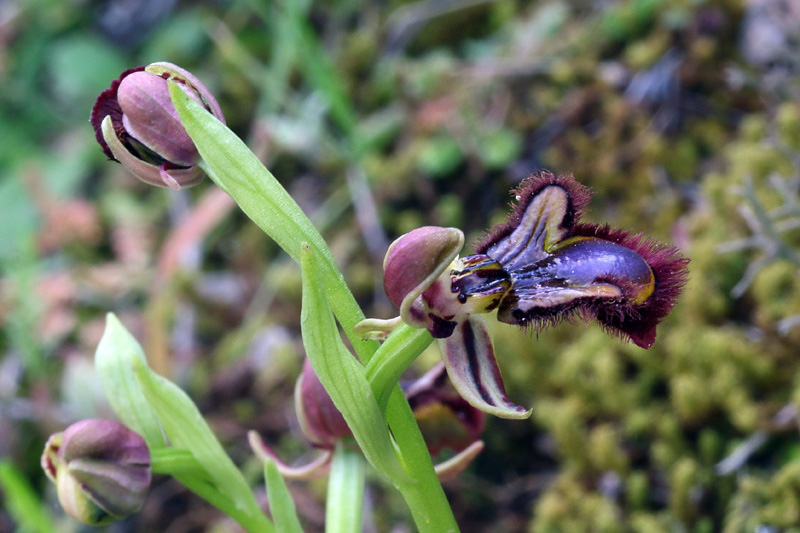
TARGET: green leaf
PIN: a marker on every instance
(232, 166)
(186, 428)
(342, 375)
(114, 361)
(343, 509)
(243, 176)
(22, 502)
(281, 504)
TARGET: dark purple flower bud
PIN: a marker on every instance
(323, 424)
(136, 124)
(101, 470)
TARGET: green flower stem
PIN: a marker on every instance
(232, 166)
(424, 493)
(394, 356)
(249, 194)
(343, 510)
(182, 465)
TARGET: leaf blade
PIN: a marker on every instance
(114, 361)
(281, 504)
(343, 376)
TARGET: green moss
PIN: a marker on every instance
(568, 507)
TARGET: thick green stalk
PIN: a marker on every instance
(425, 490)
(183, 466)
(393, 358)
(345, 492)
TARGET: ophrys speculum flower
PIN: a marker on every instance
(539, 267)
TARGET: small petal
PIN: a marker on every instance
(472, 367)
(150, 117)
(376, 329)
(547, 206)
(152, 174)
(451, 468)
(316, 468)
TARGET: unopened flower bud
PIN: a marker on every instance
(101, 470)
(322, 423)
(137, 125)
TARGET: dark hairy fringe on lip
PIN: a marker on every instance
(578, 197)
(624, 319)
(635, 322)
(671, 272)
(610, 314)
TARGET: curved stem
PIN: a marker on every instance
(345, 492)
(183, 466)
(232, 166)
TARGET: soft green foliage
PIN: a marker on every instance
(149, 403)
(342, 375)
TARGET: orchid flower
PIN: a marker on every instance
(536, 269)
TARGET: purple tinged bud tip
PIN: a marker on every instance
(323, 424)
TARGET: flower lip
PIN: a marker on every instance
(638, 321)
(627, 282)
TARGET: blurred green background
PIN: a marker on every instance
(683, 116)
